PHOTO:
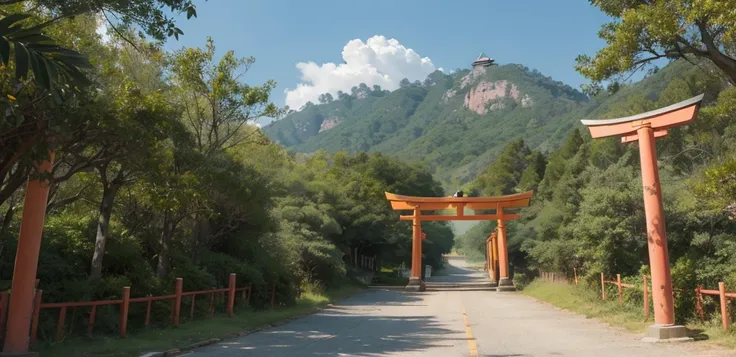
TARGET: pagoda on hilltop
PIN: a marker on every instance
(483, 61)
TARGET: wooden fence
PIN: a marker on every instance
(699, 292)
(723, 297)
(228, 295)
(554, 277)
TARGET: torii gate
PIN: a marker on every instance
(419, 204)
(645, 128)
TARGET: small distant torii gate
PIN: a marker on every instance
(419, 204)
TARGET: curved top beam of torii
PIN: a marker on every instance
(498, 203)
(659, 120)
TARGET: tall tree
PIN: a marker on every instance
(217, 108)
(645, 31)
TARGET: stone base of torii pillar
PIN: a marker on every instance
(667, 333)
(416, 284)
(505, 284)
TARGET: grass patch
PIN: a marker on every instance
(219, 326)
(585, 301)
(389, 278)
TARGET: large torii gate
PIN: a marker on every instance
(419, 204)
(645, 128)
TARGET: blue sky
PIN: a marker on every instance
(541, 34)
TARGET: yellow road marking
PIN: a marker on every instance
(471, 341)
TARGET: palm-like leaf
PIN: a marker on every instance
(34, 52)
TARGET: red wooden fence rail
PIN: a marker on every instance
(228, 294)
(723, 295)
(699, 292)
(621, 286)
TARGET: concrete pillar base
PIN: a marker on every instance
(667, 333)
(506, 284)
(24, 354)
(415, 284)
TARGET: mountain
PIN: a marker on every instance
(457, 124)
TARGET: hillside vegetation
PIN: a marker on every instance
(455, 124)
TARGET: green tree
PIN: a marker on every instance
(645, 31)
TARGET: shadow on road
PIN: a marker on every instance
(365, 325)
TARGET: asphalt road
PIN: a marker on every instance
(446, 324)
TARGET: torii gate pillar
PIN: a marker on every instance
(645, 128)
(492, 259)
(26, 264)
(504, 281)
(415, 279)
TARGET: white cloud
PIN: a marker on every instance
(380, 61)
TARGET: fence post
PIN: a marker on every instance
(724, 306)
(231, 295)
(603, 286)
(177, 300)
(273, 294)
(575, 274)
(646, 297)
(60, 324)
(148, 310)
(124, 311)
(212, 303)
(620, 290)
(250, 292)
(36, 313)
(699, 302)
(91, 320)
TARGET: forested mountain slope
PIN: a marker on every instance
(456, 124)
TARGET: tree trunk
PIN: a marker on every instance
(163, 255)
(713, 52)
(726, 64)
(103, 228)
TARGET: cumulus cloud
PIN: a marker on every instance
(378, 61)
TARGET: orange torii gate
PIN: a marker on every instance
(419, 204)
(645, 128)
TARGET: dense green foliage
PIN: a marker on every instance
(588, 210)
(645, 31)
(160, 174)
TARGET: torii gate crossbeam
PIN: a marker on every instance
(418, 204)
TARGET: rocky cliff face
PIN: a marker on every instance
(484, 96)
(329, 123)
